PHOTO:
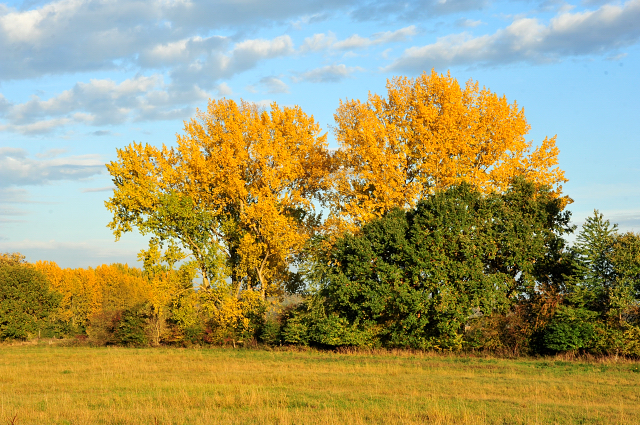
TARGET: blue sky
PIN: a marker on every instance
(80, 78)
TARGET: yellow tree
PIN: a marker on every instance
(241, 180)
(80, 290)
(429, 133)
(122, 286)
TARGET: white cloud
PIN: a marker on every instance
(205, 71)
(468, 23)
(18, 169)
(357, 42)
(318, 42)
(327, 74)
(353, 42)
(181, 51)
(308, 19)
(274, 85)
(528, 40)
(224, 90)
(247, 53)
(103, 102)
(69, 36)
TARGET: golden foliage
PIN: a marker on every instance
(428, 134)
(12, 259)
(252, 172)
(87, 292)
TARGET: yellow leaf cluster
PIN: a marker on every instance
(255, 171)
(86, 292)
(427, 134)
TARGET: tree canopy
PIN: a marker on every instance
(414, 278)
(428, 134)
(241, 180)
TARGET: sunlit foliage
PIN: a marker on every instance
(429, 133)
(240, 180)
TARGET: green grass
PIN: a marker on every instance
(42, 384)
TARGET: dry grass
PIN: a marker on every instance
(80, 385)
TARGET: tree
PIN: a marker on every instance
(624, 296)
(416, 278)
(241, 180)
(167, 287)
(594, 247)
(25, 299)
(429, 134)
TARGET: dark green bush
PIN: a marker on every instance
(570, 329)
(270, 332)
(130, 327)
(26, 302)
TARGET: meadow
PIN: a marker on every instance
(47, 384)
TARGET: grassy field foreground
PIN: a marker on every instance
(81, 385)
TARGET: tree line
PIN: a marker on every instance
(445, 230)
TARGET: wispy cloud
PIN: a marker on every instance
(326, 41)
(416, 10)
(274, 85)
(327, 74)
(18, 169)
(98, 189)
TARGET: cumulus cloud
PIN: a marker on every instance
(327, 74)
(18, 169)
(528, 40)
(102, 102)
(206, 71)
(86, 35)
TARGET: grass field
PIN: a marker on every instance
(42, 384)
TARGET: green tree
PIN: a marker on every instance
(416, 278)
(595, 274)
(624, 295)
(25, 301)
(608, 279)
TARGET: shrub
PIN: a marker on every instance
(26, 302)
(570, 329)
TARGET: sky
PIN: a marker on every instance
(82, 78)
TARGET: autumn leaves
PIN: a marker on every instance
(429, 134)
(244, 183)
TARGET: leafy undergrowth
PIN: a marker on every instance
(82, 385)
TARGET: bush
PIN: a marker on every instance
(270, 333)
(570, 329)
(26, 302)
(126, 327)
(130, 328)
